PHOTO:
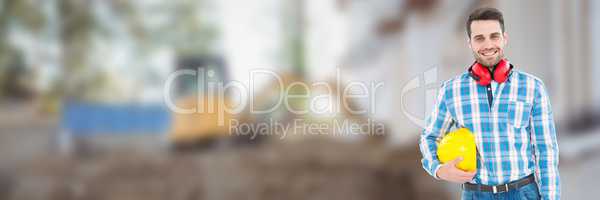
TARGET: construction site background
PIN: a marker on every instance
(88, 91)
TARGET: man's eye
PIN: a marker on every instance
(478, 39)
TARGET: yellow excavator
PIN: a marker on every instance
(205, 119)
(209, 121)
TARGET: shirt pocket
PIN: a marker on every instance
(519, 113)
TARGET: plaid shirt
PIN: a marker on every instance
(515, 136)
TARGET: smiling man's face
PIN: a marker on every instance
(487, 41)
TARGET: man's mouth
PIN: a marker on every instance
(489, 53)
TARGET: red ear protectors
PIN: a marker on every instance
(483, 76)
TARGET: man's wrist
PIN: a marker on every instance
(435, 172)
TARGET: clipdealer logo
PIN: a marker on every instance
(427, 81)
(334, 99)
(320, 98)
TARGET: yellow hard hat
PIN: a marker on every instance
(459, 143)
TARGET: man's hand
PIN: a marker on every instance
(449, 172)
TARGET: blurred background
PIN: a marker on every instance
(83, 86)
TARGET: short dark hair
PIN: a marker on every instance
(485, 14)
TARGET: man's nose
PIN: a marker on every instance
(487, 44)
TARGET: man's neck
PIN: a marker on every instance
(491, 68)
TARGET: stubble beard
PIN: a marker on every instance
(487, 63)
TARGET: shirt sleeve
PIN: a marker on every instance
(545, 146)
(436, 124)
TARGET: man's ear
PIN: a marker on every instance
(505, 34)
(469, 43)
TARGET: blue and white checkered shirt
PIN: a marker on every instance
(515, 136)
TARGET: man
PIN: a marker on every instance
(509, 113)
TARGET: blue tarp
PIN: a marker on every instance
(96, 118)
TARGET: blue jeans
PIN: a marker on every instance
(527, 192)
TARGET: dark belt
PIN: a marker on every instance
(500, 188)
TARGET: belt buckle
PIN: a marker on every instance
(495, 188)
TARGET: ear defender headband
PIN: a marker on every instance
(484, 77)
